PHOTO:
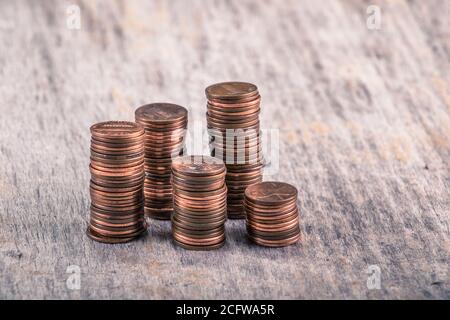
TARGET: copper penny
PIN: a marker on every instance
(161, 112)
(233, 90)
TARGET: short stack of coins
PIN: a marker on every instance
(117, 179)
(200, 202)
(233, 124)
(272, 214)
(165, 125)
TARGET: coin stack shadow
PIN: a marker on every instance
(200, 202)
(165, 125)
(116, 186)
(272, 214)
(233, 125)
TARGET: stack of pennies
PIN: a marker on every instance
(200, 202)
(117, 179)
(272, 214)
(165, 127)
(234, 129)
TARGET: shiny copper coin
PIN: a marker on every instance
(199, 199)
(239, 122)
(199, 226)
(271, 193)
(112, 213)
(251, 124)
(271, 214)
(165, 128)
(276, 243)
(233, 90)
(194, 227)
(199, 242)
(199, 248)
(116, 159)
(193, 206)
(285, 237)
(200, 211)
(171, 136)
(209, 194)
(109, 240)
(203, 182)
(201, 217)
(116, 218)
(229, 106)
(151, 124)
(158, 214)
(197, 187)
(234, 102)
(273, 227)
(118, 234)
(117, 180)
(270, 211)
(198, 166)
(114, 189)
(116, 130)
(117, 149)
(161, 113)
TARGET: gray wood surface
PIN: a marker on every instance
(364, 120)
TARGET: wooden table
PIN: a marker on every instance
(363, 117)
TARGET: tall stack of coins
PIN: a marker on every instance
(165, 125)
(117, 178)
(200, 202)
(234, 129)
(272, 214)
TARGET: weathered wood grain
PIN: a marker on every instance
(364, 120)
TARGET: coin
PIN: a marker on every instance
(271, 214)
(198, 166)
(232, 118)
(110, 240)
(276, 243)
(199, 202)
(270, 193)
(165, 128)
(232, 90)
(198, 248)
(117, 179)
(157, 113)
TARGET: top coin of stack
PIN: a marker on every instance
(272, 214)
(233, 125)
(165, 125)
(117, 177)
(200, 202)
